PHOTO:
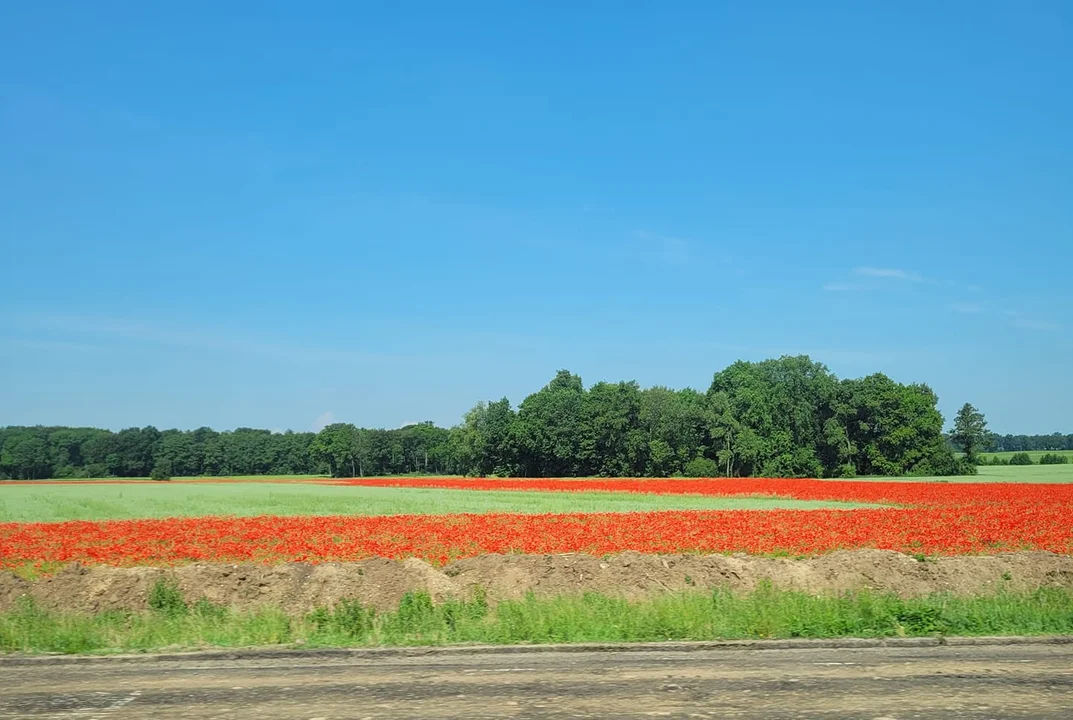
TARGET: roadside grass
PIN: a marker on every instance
(53, 503)
(720, 615)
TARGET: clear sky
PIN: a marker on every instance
(279, 214)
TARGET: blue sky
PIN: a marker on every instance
(278, 214)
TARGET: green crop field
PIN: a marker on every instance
(1026, 473)
(53, 502)
(997, 473)
(1034, 454)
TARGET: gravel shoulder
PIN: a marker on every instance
(941, 681)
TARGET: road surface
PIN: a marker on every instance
(995, 681)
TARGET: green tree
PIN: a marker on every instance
(676, 425)
(133, 450)
(970, 432)
(486, 442)
(891, 429)
(784, 403)
(555, 433)
(612, 411)
(701, 467)
(178, 451)
(161, 470)
(26, 456)
(337, 446)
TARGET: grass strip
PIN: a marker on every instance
(172, 623)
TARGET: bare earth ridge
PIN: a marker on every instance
(381, 583)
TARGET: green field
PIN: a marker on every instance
(1034, 454)
(998, 473)
(52, 502)
(1026, 473)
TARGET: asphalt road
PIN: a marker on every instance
(1023, 681)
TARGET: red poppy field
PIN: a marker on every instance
(926, 518)
(901, 493)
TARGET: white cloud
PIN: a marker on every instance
(54, 345)
(1035, 324)
(676, 251)
(668, 249)
(107, 332)
(323, 420)
(1028, 323)
(889, 273)
(967, 308)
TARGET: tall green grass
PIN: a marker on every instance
(765, 613)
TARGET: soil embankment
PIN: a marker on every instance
(381, 583)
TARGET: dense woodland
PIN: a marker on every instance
(776, 418)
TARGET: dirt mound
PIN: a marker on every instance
(381, 583)
(375, 582)
(635, 575)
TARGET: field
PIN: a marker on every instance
(1008, 474)
(54, 502)
(440, 519)
(1025, 473)
(987, 473)
(1034, 454)
(420, 533)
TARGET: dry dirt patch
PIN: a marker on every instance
(381, 583)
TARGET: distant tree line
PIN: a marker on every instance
(1023, 458)
(63, 452)
(789, 417)
(1027, 443)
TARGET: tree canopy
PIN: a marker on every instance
(1013, 443)
(970, 431)
(775, 418)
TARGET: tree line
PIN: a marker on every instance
(64, 452)
(789, 417)
(1028, 443)
(1023, 458)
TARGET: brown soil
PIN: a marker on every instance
(380, 583)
